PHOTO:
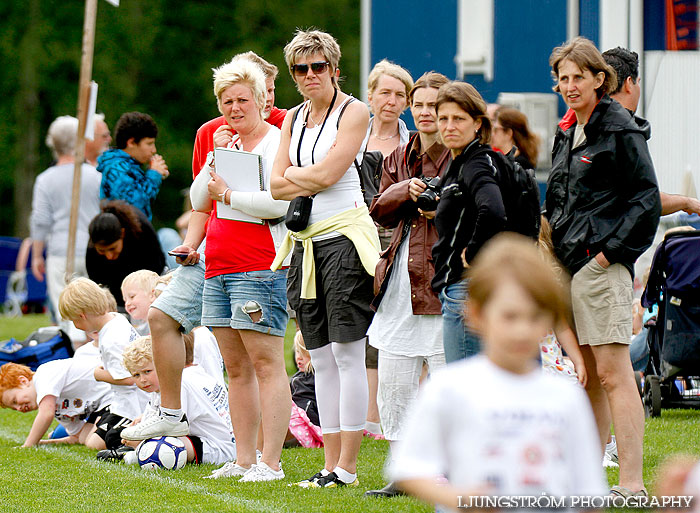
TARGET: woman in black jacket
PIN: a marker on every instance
(470, 210)
(603, 204)
(122, 241)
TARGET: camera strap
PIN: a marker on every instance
(303, 129)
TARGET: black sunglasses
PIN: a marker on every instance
(301, 70)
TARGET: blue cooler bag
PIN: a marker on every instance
(44, 345)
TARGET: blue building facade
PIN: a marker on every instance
(422, 35)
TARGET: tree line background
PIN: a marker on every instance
(153, 56)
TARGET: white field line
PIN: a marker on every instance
(128, 472)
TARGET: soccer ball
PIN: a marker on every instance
(163, 452)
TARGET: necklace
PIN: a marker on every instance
(385, 138)
(316, 123)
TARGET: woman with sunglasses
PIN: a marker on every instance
(329, 281)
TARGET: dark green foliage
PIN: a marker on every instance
(153, 56)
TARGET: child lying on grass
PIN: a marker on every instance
(62, 389)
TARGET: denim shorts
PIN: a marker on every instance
(181, 299)
(230, 299)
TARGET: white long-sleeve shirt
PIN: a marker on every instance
(51, 205)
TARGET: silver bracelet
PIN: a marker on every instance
(223, 195)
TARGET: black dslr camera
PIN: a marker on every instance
(428, 199)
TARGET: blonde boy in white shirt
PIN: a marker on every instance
(495, 424)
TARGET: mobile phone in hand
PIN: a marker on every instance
(179, 254)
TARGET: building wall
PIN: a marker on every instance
(523, 40)
(422, 36)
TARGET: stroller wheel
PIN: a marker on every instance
(652, 396)
(638, 378)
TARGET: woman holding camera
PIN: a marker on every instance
(470, 210)
(330, 276)
(407, 327)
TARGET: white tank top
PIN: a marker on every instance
(343, 195)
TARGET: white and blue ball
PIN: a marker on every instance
(163, 452)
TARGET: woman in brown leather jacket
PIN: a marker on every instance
(407, 326)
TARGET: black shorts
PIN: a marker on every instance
(198, 448)
(97, 415)
(344, 290)
(109, 429)
(371, 356)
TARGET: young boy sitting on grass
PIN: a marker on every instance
(138, 290)
(88, 306)
(62, 389)
(495, 424)
(204, 403)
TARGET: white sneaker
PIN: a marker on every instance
(610, 459)
(156, 426)
(262, 472)
(230, 469)
(130, 458)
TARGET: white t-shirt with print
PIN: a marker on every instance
(482, 426)
(207, 354)
(129, 401)
(72, 382)
(205, 402)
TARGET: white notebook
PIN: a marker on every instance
(242, 171)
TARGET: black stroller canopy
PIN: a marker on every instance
(675, 268)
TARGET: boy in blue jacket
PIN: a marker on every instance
(123, 175)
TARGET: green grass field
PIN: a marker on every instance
(69, 479)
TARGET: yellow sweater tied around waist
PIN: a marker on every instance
(355, 224)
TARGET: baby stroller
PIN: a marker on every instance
(672, 376)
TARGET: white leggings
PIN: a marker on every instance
(341, 386)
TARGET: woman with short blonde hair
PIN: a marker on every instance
(243, 300)
(321, 140)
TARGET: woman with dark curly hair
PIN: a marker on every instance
(121, 241)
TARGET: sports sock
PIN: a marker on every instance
(345, 476)
(171, 414)
(373, 427)
(324, 472)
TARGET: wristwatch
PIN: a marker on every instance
(210, 159)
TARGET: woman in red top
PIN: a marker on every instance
(243, 301)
